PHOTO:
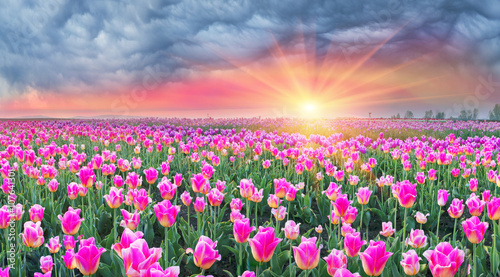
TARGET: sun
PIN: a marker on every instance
(309, 107)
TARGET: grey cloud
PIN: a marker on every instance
(56, 44)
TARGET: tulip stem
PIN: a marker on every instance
(256, 224)
(455, 232)
(240, 264)
(493, 249)
(361, 220)
(115, 226)
(338, 232)
(55, 264)
(248, 208)
(290, 259)
(166, 248)
(439, 217)
(189, 225)
(307, 273)
(475, 261)
(404, 233)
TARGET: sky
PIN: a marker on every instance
(305, 58)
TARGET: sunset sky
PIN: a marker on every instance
(248, 58)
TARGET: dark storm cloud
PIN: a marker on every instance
(58, 45)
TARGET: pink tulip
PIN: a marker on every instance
(273, 201)
(444, 260)
(130, 221)
(155, 270)
(420, 178)
(178, 179)
(442, 197)
(346, 229)
(118, 181)
(73, 190)
(344, 272)
(17, 210)
(280, 213)
(421, 218)
(199, 204)
(204, 253)
(292, 230)
(353, 180)
(186, 198)
(307, 254)
(263, 244)
(352, 244)
(363, 195)
(38, 274)
(215, 197)
(198, 183)
(473, 184)
(33, 234)
(141, 199)
(236, 204)
(69, 242)
(432, 174)
(475, 205)
(410, 263)
(133, 180)
(493, 208)
(88, 257)
(69, 259)
(4, 272)
(52, 185)
(235, 215)
(417, 239)
(166, 213)
(281, 187)
(350, 215)
(374, 258)
(36, 213)
(387, 229)
(335, 261)
(167, 189)
(242, 230)
(247, 188)
(115, 198)
(406, 193)
(291, 193)
(220, 185)
(5, 217)
(71, 221)
(248, 274)
(341, 205)
(456, 208)
(53, 245)
(138, 257)
(87, 177)
(165, 168)
(46, 264)
(474, 229)
(127, 238)
(151, 175)
(332, 191)
(486, 196)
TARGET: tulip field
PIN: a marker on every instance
(249, 197)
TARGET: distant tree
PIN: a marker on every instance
(495, 113)
(440, 115)
(409, 114)
(468, 114)
(429, 114)
(398, 116)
